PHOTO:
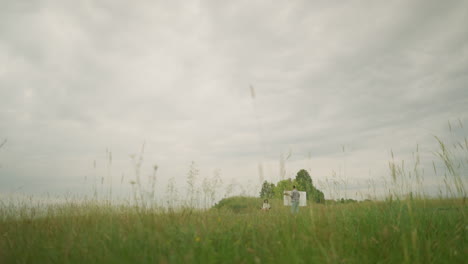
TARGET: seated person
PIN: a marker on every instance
(266, 206)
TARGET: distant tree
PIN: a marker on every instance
(304, 183)
(268, 190)
(318, 196)
(284, 185)
(342, 200)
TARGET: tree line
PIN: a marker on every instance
(302, 181)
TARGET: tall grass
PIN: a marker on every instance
(407, 227)
(413, 231)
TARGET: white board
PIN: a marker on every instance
(302, 199)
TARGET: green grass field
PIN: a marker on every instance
(412, 231)
(399, 229)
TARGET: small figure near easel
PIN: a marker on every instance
(266, 205)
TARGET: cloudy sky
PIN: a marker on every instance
(337, 85)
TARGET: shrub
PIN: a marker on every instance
(239, 204)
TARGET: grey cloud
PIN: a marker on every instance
(82, 76)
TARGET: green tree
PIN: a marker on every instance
(284, 185)
(318, 195)
(268, 190)
(304, 183)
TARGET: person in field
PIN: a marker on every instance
(266, 205)
(295, 195)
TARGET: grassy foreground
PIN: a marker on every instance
(417, 231)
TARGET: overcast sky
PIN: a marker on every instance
(336, 84)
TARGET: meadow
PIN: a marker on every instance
(392, 231)
(406, 226)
